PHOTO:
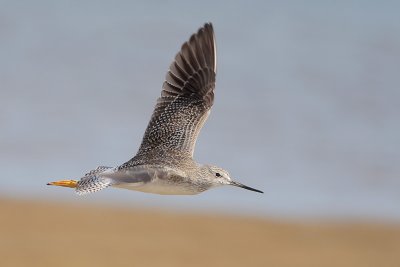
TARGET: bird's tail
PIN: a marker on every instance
(93, 181)
(90, 183)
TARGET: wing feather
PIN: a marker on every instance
(186, 98)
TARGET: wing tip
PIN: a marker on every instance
(209, 28)
(194, 67)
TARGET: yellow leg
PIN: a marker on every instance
(65, 183)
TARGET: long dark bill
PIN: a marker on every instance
(246, 187)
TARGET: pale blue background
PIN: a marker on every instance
(307, 100)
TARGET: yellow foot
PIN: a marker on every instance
(65, 183)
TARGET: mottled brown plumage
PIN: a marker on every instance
(164, 162)
(185, 101)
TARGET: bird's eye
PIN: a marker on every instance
(218, 174)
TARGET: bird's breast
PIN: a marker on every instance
(163, 181)
(161, 188)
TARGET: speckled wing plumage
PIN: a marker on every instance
(186, 98)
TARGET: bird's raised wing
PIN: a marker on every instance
(186, 98)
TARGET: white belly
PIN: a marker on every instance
(153, 179)
(159, 187)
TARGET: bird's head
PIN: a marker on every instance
(220, 176)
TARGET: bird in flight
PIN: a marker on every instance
(164, 163)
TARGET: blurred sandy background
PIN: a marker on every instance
(307, 110)
(43, 234)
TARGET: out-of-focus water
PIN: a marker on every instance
(307, 100)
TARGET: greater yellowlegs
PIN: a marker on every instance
(164, 163)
